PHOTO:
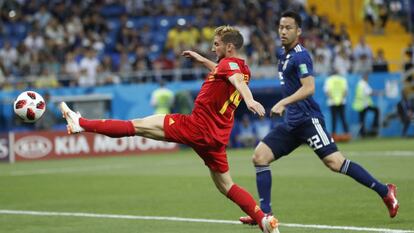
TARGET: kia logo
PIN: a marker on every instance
(33, 147)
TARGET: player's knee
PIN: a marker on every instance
(260, 159)
(224, 187)
(332, 165)
(138, 125)
(334, 162)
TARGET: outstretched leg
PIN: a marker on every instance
(337, 162)
(149, 127)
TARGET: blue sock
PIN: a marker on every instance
(264, 187)
(362, 176)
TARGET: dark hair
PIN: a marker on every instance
(293, 15)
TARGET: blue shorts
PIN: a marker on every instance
(283, 139)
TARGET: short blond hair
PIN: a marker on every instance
(230, 34)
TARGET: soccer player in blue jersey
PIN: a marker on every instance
(304, 123)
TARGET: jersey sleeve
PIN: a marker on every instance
(227, 68)
(304, 65)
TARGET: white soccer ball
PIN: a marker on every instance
(29, 106)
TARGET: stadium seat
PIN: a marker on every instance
(139, 22)
(113, 10)
(113, 24)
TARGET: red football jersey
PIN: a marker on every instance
(218, 99)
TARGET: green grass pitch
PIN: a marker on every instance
(178, 185)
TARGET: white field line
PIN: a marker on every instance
(402, 153)
(64, 170)
(199, 220)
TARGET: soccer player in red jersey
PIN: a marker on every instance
(207, 129)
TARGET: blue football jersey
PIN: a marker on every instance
(294, 65)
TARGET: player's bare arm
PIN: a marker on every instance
(238, 82)
(307, 89)
(196, 56)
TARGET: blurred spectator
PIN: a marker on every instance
(95, 23)
(362, 64)
(174, 38)
(380, 64)
(9, 56)
(24, 61)
(142, 65)
(191, 36)
(2, 76)
(46, 79)
(342, 63)
(141, 56)
(266, 70)
(323, 59)
(163, 64)
(409, 53)
(34, 41)
(398, 11)
(321, 64)
(125, 66)
(362, 48)
(262, 127)
(146, 35)
(88, 66)
(74, 30)
(408, 82)
(55, 33)
(343, 34)
(127, 37)
(363, 104)
(60, 10)
(313, 20)
(106, 72)
(93, 40)
(405, 111)
(42, 16)
(336, 89)
(52, 64)
(71, 70)
(162, 99)
(370, 12)
(383, 15)
(182, 36)
(183, 102)
(245, 30)
(245, 136)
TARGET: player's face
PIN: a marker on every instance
(289, 32)
(219, 48)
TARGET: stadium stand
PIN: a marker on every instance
(140, 41)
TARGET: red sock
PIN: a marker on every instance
(246, 202)
(111, 128)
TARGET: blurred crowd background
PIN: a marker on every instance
(70, 43)
(88, 43)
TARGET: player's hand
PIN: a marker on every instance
(256, 108)
(192, 54)
(278, 109)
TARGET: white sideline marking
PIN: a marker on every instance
(177, 219)
(403, 153)
(64, 170)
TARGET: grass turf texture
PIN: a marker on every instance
(178, 184)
